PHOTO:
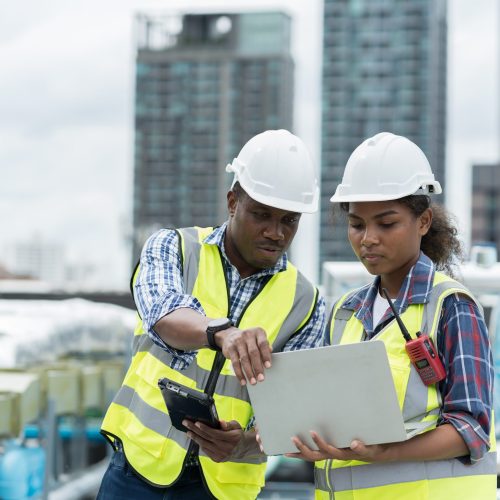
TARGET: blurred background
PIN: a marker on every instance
(118, 117)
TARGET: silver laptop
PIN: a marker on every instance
(343, 392)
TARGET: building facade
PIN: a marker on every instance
(37, 259)
(384, 69)
(205, 84)
(485, 225)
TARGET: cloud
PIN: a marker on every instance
(65, 126)
(473, 72)
(71, 69)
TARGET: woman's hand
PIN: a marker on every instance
(441, 443)
(356, 451)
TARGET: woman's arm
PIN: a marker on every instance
(464, 347)
(440, 443)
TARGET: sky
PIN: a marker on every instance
(66, 115)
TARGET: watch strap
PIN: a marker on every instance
(212, 330)
(211, 339)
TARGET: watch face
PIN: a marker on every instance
(218, 322)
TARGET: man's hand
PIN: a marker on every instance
(249, 352)
(219, 444)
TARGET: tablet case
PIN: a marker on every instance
(186, 403)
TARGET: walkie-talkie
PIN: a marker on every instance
(421, 351)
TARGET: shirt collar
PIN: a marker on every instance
(216, 237)
(415, 289)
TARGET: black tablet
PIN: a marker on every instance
(186, 403)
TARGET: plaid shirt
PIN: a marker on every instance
(159, 290)
(463, 346)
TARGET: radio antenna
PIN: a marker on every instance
(402, 327)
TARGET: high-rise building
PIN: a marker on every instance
(485, 225)
(205, 84)
(384, 69)
(37, 259)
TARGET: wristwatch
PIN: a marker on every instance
(214, 326)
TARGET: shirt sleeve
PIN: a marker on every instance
(159, 289)
(312, 334)
(467, 391)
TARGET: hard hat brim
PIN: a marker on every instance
(288, 205)
(339, 198)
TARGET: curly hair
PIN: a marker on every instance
(441, 243)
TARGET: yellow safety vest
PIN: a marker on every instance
(420, 480)
(138, 416)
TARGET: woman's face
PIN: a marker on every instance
(385, 236)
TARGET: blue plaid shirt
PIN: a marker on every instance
(463, 346)
(159, 290)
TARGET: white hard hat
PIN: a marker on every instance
(274, 168)
(386, 167)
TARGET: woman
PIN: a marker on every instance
(404, 241)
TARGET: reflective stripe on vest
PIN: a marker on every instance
(375, 475)
(138, 416)
(418, 403)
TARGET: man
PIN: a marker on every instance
(202, 290)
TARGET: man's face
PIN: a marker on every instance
(257, 235)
